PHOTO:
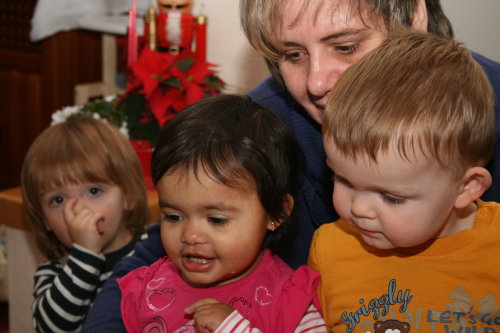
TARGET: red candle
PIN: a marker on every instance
(132, 35)
(201, 37)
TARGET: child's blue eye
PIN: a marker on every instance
(56, 201)
(95, 191)
(218, 220)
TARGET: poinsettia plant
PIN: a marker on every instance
(161, 84)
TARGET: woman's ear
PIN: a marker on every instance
(420, 20)
(288, 203)
(475, 182)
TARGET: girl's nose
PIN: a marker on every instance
(193, 233)
(79, 205)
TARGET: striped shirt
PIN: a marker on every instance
(312, 322)
(64, 289)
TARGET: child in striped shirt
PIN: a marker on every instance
(84, 197)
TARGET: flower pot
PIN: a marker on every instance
(144, 152)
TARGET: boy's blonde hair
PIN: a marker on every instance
(416, 92)
(81, 150)
(261, 21)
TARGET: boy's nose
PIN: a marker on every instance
(361, 207)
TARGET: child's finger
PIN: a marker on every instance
(69, 210)
(100, 226)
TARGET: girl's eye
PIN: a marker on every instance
(392, 199)
(172, 218)
(218, 220)
(56, 200)
(95, 191)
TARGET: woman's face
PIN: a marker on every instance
(319, 46)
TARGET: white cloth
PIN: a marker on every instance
(52, 16)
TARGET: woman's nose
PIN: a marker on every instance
(322, 76)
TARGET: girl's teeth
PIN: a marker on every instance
(198, 260)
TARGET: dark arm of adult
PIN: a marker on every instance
(105, 314)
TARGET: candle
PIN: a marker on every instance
(132, 35)
(201, 37)
(151, 24)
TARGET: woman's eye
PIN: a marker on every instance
(392, 199)
(347, 49)
(294, 57)
(218, 220)
(56, 200)
(173, 218)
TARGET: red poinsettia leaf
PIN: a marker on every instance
(194, 93)
(160, 103)
(180, 103)
(199, 70)
(177, 73)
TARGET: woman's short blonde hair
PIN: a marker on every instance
(261, 21)
(81, 150)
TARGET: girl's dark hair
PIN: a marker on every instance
(232, 138)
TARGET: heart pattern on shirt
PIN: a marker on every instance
(262, 296)
(159, 300)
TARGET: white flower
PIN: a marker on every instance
(60, 116)
(109, 98)
(124, 130)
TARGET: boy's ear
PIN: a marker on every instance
(420, 20)
(288, 203)
(475, 182)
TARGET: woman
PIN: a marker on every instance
(307, 45)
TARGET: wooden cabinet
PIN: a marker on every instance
(36, 79)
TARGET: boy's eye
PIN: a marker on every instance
(392, 199)
(218, 220)
(56, 200)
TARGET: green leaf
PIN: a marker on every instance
(134, 107)
(185, 64)
(172, 82)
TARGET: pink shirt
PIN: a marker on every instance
(273, 297)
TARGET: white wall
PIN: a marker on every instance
(239, 65)
(476, 23)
